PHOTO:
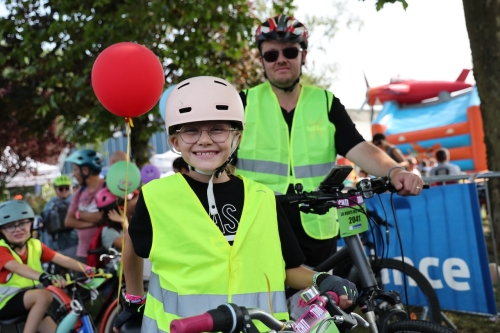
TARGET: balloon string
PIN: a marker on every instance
(129, 121)
(124, 216)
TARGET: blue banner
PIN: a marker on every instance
(441, 233)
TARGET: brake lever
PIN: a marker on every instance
(342, 319)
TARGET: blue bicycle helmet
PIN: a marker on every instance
(15, 210)
(86, 157)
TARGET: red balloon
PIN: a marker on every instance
(127, 79)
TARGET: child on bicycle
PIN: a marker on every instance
(21, 273)
(212, 237)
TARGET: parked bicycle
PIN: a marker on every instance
(380, 307)
(77, 312)
(95, 302)
(322, 316)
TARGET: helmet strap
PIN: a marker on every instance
(84, 177)
(212, 206)
(14, 246)
(289, 88)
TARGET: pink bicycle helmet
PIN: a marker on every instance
(104, 198)
(203, 98)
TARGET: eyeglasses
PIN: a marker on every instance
(12, 227)
(63, 188)
(218, 133)
(289, 53)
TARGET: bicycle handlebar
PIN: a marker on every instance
(232, 318)
(226, 318)
(322, 199)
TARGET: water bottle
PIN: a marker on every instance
(68, 323)
(315, 319)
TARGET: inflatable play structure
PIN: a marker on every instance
(450, 118)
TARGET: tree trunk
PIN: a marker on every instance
(139, 143)
(482, 18)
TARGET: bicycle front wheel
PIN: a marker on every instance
(423, 303)
(109, 318)
(418, 326)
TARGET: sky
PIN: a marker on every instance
(428, 41)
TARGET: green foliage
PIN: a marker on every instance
(380, 3)
(47, 48)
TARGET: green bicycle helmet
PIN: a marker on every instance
(86, 157)
(62, 180)
(15, 210)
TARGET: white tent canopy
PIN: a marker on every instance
(164, 162)
(45, 174)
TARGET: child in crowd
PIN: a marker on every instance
(110, 228)
(212, 237)
(112, 219)
(21, 259)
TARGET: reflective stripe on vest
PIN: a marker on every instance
(267, 151)
(17, 282)
(194, 269)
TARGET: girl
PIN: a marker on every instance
(212, 237)
(21, 259)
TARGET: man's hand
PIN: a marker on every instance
(345, 289)
(406, 183)
(130, 311)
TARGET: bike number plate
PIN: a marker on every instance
(350, 215)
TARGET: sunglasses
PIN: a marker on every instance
(63, 188)
(289, 53)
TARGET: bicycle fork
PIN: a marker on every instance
(371, 292)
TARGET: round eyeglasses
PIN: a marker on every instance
(12, 227)
(218, 133)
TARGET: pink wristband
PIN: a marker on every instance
(134, 298)
(77, 214)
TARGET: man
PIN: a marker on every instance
(60, 239)
(179, 165)
(444, 167)
(83, 213)
(394, 152)
(293, 134)
(116, 156)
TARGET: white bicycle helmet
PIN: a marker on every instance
(205, 98)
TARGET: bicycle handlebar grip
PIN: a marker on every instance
(334, 296)
(195, 324)
(211, 321)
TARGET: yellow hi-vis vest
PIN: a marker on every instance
(269, 155)
(16, 282)
(194, 269)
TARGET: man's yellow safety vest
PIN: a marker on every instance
(268, 154)
(194, 269)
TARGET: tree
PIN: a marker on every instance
(20, 149)
(481, 18)
(48, 48)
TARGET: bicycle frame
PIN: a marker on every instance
(320, 202)
(355, 250)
